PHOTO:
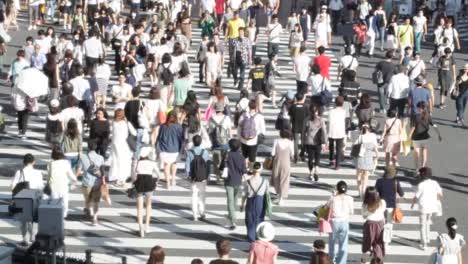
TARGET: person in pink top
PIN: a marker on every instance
(324, 62)
(262, 251)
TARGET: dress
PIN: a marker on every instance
(451, 247)
(392, 138)
(365, 160)
(121, 155)
(281, 173)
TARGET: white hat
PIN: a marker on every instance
(266, 231)
(324, 7)
(54, 103)
(145, 152)
(466, 66)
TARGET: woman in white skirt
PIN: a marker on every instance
(121, 154)
(169, 145)
(322, 29)
(213, 64)
(392, 28)
(367, 159)
(449, 245)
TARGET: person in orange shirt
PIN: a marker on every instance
(324, 62)
(360, 30)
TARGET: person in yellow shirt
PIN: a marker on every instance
(232, 33)
(405, 36)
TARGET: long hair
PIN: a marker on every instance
(157, 255)
(452, 230)
(315, 112)
(365, 101)
(171, 118)
(72, 129)
(371, 199)
(218, 92)
(422, 110)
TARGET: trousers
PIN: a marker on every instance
(198, 198)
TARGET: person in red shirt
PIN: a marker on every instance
(324, 62)
(360, 30)
(219, 9)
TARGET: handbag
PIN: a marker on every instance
(208, 112)
(268, 204)
(324, 223)
(454, 94)
(268, 163)
(93, 169)
(132, 192)
(325, 96)
(356, 148)
(397, 215)
(104, 189)
(22, 185)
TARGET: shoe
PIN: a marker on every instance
(147, 229)
(23, 136)
(86, 212)
(280, 202)
(232, 228)
(30, 28)
(316, 177)
(95, 222)
(332, 163)
(442, 106)
(202, 217)
(423, 247)
(235, 83)
(34, 27)
(337, 167)
(303, 159)
(365, 258)
(194, 218)
(310, 175)
(24, 243)
(142, 231)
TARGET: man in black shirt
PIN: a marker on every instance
(298, 114)
(387, 68)
(257, 76)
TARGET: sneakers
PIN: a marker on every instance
(202, 217)
(316, 177)
(232, 228)
(30, 27)
(34, 27)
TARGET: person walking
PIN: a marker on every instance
(256, 189)
(373, 209)
(262, 250)
(462, 98)
(387, 69)
(298, 114)
(147, 175)
(420, 136)
(372, 30)
(72, 144)
(420, 29)
(169, 145)
(223, 248)
(236, 168)
(389, 189)
(342, 208)
(398, 89)
(54, 124)
(91, 167)
(219, 131)
(366, 160)
(243, 57)
(251, 130)
(314, 138)
(428, 196)
(450, 244)
(282, 153)
(197, 167)
(231, 34)
(446, 74)
(336, 132)
(324, 62)
(182, 84)
(405, 36)
(274, 30)
(120, 153)
(34, 179)
(392, 137)
(59, 176)
(100, 131)
(382, 24)
(301, 68)
(318, 255)
(322, 29)
(295, 40)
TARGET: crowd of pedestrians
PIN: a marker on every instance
(138, 147)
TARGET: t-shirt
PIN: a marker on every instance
(427, 196)
(223, 261)
(445, 64)
(324, 62)
(404, 33)
(418, 95)
(301, 63)
(233, 27)
(387, 69)
(419, 22)
(257, 75)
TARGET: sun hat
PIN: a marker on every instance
(54, 103)
(265, 231)
(145, 152)
(466, 67)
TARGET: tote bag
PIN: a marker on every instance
(324, 223)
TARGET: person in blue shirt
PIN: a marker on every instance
(38, 59)
(419, 94)
(198, 187)
(91, 183)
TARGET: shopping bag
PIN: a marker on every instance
(208, 113)
(105, 192)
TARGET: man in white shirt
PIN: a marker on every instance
(63, 44)
(420, 29)
(416, 67)
(43, 42)
(73, 112)
(316, 83)
(34, 178)
(348, 62)
(250, 145)
(93, 50)
(398, 90)
(82, 92)
(273, 32)
(336, 132)
(301, 68)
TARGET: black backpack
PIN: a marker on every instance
(198, 167)
(166, 75)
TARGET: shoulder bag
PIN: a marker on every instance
(22, 185)
(397, 212)
(356, 148)
(326, 96)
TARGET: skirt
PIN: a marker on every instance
(167, 157)
(145, 183)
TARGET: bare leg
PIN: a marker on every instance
(364, 179)
(273, 98)
(423, 157)
(416, 158)
(140, 215)
(173, 173)
(148, 213)
(167, 174)
(387, 158)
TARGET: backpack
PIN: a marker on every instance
(166, 75)
(55, 126)
(248, 127)
(380, 21)
(219, 135)
(198, 167)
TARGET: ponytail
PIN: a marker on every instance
(451, 224)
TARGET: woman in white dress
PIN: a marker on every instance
(449, 245)
(213, 64)
(322, 29)
(121, 93)
(121, 155)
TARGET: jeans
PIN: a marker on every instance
(51, 7)
(398, 104)
(27, 227)
(33, 14)
(335, 17)
(23, 117)
(201, 67)
(339, 234)
(460, 103)
(313, 153)
(425, 227)
(198, 198)
(417, 41)
(232, 193)
(272, 48)
(297, 142)
(382, 37)
(382, 90)
(339, 150)
(241, 68)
